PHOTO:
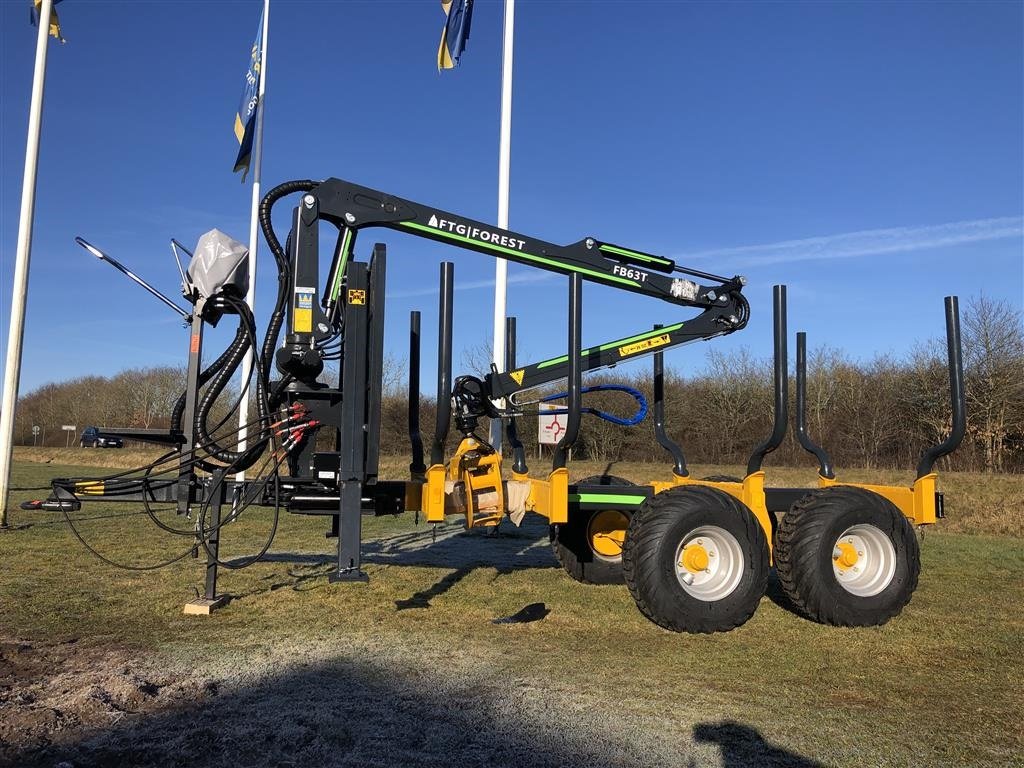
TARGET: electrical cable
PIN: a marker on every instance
(108, 561)
(217, 375)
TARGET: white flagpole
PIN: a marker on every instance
(12, 371)
(257, 167)
(504, 161)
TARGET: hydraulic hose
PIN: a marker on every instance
(239, 460)
(178, 413)
(220, 372)
(283, 267)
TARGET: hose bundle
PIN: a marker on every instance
(631, 421)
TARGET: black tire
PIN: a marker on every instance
(572, 545)
(859, 592)
(655, 539)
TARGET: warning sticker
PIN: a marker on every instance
(640, 346)
(356, 296)
(303, 315)
(517, 376)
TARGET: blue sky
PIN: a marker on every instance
(869, 155)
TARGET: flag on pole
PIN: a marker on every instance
(245, 116)
(54, 21)
(455, 33)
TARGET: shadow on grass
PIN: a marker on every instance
(510, 549)
(349, 713)
(452, 548)
(744, 747)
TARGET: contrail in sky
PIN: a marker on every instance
(868, 242)
(471, 285)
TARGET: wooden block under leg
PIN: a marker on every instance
(204, 607)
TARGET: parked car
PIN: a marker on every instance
(93, 438)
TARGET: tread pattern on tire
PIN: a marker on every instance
(598, 572)
(651, 524)
(811, 524)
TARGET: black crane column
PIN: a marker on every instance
(353, 427)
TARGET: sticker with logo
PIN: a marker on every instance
(641, 346)
(302, 318)
(476, 233)
(356, 296)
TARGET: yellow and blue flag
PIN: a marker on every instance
(245, 116)
(455, 33)
(54, 21)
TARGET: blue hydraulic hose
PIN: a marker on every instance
(633, 420)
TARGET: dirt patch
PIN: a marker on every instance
(57, 693)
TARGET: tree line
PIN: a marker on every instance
(878, 413)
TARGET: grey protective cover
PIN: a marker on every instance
(219, 262)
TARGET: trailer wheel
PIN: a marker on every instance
(696, 560)
(847, 557)
(589, 546)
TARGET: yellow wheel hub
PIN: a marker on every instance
(847, 556)
(695, 558)
(607, 531)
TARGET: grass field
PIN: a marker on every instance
(99, 667)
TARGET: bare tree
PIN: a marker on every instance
(993, 340)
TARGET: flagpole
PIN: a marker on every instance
(15, 336)
(504, 161)
(257, 168)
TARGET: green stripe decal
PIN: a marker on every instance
(519, 254)
(606, 498)
(612, 344)
(635, 255)
(641, 336)
(556, 361)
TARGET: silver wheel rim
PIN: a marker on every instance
(724, 560)
(872, 568)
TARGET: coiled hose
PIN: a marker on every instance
(178, 413)
(220, 372)
(283, 267)
(239, 460)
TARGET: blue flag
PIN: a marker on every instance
(455, 33)
(245, 116)
(54, 21)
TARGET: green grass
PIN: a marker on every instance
(939, 685)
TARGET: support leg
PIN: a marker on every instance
(349, 540)
(211, 601)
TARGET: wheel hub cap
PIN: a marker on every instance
(864, 560)
(606, 533)
(695, 558)
(847, 557)
(709, 563)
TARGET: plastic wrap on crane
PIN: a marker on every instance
(220, 263)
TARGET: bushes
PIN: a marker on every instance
(878, 413)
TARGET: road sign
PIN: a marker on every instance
(69, 427)
(35, 430)
(550, 426)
